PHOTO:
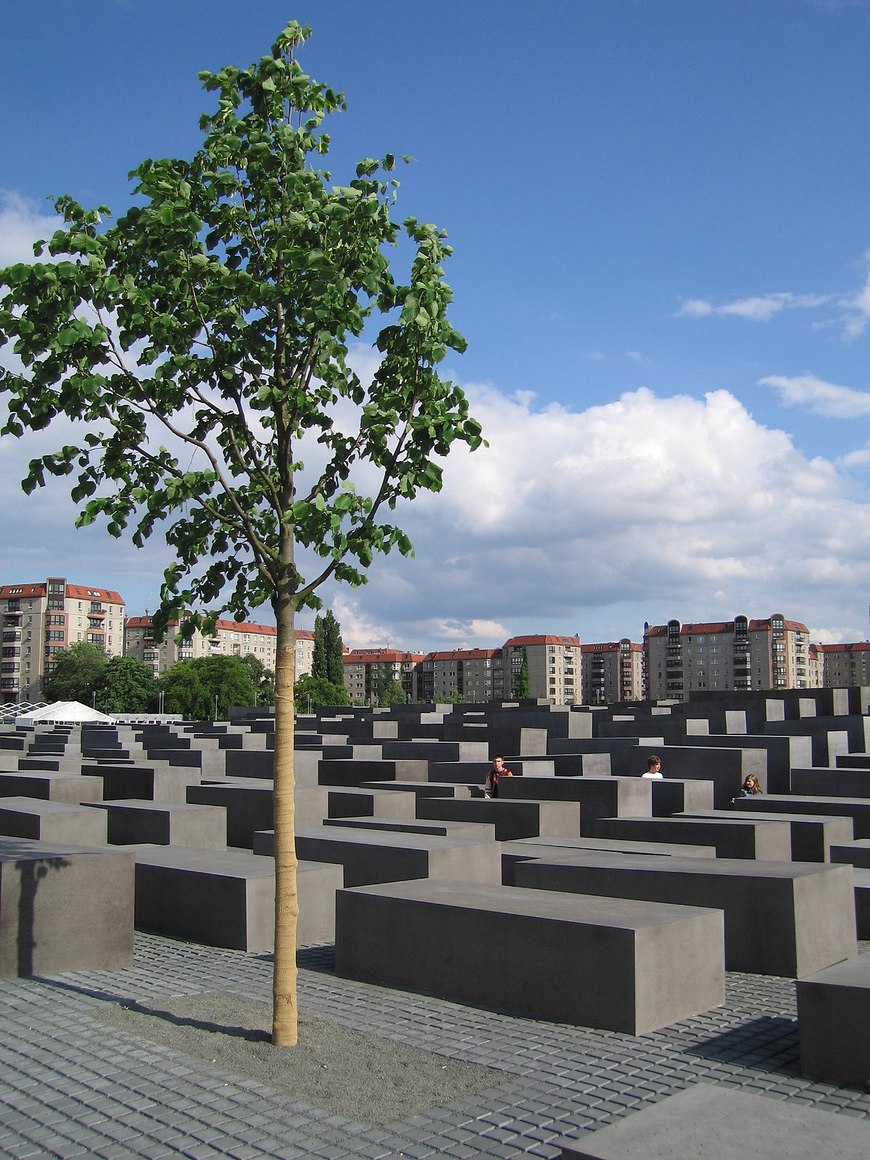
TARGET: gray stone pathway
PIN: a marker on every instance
(72, 1086)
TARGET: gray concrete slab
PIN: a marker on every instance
(599, 797)
(131, 822)
(811, 835)
(781, 918)
(60, 787)
(627, 966)
(856, 852)
(512, 818)
(470, 831)
(834, 1023)
(227, 898)
(378, 856)
(831, 782)
(707, 1122)
(770, 840)
(51, 821)
(64, 907)
(858, 809)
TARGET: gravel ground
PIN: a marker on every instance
(343, 1072)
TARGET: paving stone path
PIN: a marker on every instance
(72, 1084)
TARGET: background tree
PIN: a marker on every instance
(263, 678)
(77, 673)
(312, 692)
(204, 688)
(521, 681)
(126, 686)
(200, 346)
(327, 661)
(392, 694)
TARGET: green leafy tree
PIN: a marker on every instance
(200, 346)
(313, 691)
(77, 673)
(204, 688)
(263, 678)
(521, 679)
(392, 694)
(126, 686)
(327, 661)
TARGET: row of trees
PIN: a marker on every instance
(199, 689)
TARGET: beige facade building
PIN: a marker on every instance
(739, 654)
(368, 671)
(40, 619)
(612, 672)
(230, 638)
(554, 664)
(304, 651)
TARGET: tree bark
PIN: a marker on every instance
(284, 1008)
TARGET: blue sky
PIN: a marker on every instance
(660, 211)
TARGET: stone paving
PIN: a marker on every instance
(72, 1086)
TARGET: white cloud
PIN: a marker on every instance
(853, 307)
(662, 506)
(21, 223)
(759, 308)
(818, 396)
(857, 307)
(587, 521)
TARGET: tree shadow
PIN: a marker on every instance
(31, 872)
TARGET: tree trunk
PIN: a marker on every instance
(284, 1010)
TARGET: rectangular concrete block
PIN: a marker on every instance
(369, 857)
(858, 809)
(811, 835)
(717, 1123)
(227, 898)
(855, 852)
(611, 963)
(143, 783)
(64, 907)
(51, 821)
(770, 840)
(834, 1025)
(598, 797)
(511, 817)
(781, 918)
(163, 823)
(58, 787)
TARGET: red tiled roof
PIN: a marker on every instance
(464, 654)
(520, 641)
(73, 592)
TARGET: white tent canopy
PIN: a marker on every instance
(63, 713)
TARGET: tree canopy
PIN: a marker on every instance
(312, 692)
(126, 686)
(76, 673)
(204, 688)
(197, 351)
(327, 660)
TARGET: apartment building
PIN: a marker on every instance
(471, 675)
(554, 664)
(611, 672)
(304, 651)
(39, 619)
(230, 638)
(739, 654)
(368, 671)
(844, 665)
